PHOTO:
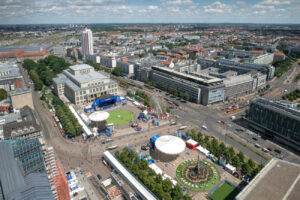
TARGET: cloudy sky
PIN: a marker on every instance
(153, 11)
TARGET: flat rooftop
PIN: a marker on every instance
(278, 106)
(277, 180)
(86, 77)
(80, 67)
(206, 80)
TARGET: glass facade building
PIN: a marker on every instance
(278, 121)
(29, 152)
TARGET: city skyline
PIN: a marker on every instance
(152, 11)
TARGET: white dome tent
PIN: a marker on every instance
(168, 147)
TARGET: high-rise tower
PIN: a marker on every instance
(87, 42)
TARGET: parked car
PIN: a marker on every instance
(265, 150)
(257, 145)
(277, 151)
(254, 138)
(99, 176)
(223, 122)
(270, 149)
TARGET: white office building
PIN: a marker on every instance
(87, 42)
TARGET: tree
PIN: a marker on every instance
(222, 148)
(246, 169)
(176, 192)
(186, 96)
(162, 86)
(251, 163)
(158, 179)
(236, 162)
(29, 64)
(38, 85)
(188, 133)
(241, 156)
(167, 109)
(206, 139)
(194, 136)
(167, 185)
(175, 92)
(169, 90)
(231, 153)
(117, 71)
(3, 94)
(187, 197)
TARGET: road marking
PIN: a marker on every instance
(291, 188)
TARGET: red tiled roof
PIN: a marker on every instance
(257, 52)
(161, 53)
(279, 54)
(21, 53)
(165, 63)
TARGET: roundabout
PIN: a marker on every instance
(197, 175)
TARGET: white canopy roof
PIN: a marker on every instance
(169, 144)
(202, 150)
(192, 142)
(99, 116)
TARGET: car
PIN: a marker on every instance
(254, 138)
(229, 125)
(250, 133)
(257, 145)
(144, 147)
(99, 176)
(277, 151)
(265, 150)
(223, 122)
(204, 127)
(270, 149)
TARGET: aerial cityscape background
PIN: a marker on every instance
(149, 99)
(152, 11)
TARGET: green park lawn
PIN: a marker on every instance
(119, 117)
(225, 192)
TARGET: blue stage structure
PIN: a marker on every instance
(104, 102)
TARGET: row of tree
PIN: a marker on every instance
(170, 90)
(163, 189)
(219, 149)
(283, 66)
(117, 71)
(44, 70)
(140, 96)
(98, 67)
(66, 118)
(292, 96)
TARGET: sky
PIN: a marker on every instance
(149, 11)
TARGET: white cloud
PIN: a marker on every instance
(177, 2)
(241, 3)
(153, 7)
(260, 12)
(275, 2)
(173, 9)
(217, 7)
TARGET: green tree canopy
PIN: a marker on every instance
(3, 94)
(117, 71)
